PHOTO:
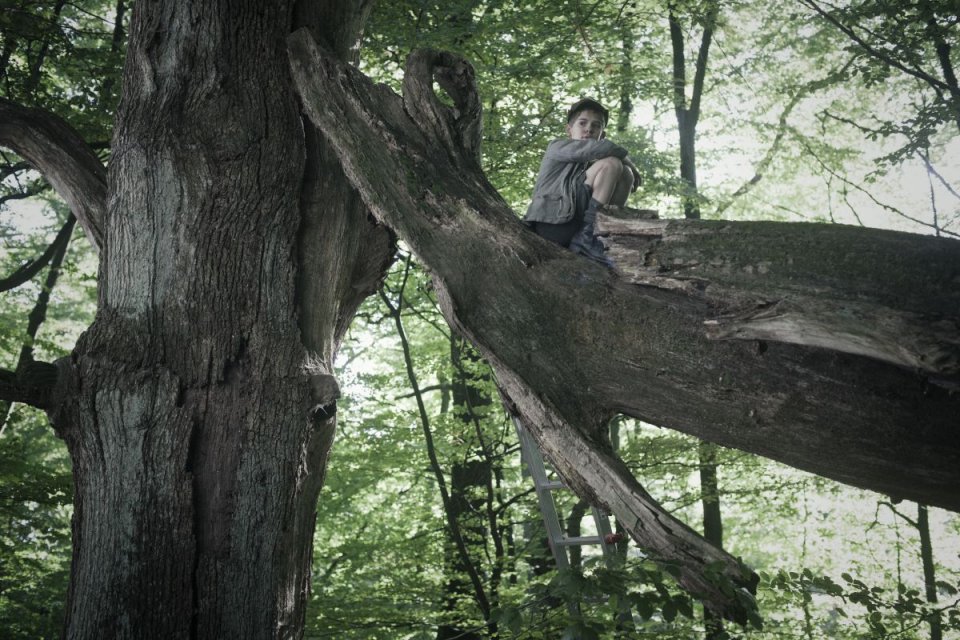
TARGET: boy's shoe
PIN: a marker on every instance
(586, 243)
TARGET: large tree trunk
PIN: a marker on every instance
(199, 407)
(572, 343)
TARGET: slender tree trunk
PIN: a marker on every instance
(627, 81)
(574, 528)
(688, 165)
(116, 46)
(929, 570)
(450, 509)
(36, 65)
(199, 407)
(709, 485)
(9, 45)
(465, 479)
(39, 313)
(687, 117)
(806, 597)
(688, 113)
(936, 33)
(712, 520)
(468, 478)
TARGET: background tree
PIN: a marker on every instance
(687, 109)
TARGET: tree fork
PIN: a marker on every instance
(575, 343)
(458, 141)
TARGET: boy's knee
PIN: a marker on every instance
(611, 163)
(607, 170)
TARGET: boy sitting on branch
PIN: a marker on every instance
(579, 175)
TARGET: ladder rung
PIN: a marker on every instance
(551, 485)
(579, 541)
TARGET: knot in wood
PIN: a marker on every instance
(457, 127)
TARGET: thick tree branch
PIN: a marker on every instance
(65, 160)
(573, 343)
(608, 481)
(863, 263)
(34, 384)
(781, 290)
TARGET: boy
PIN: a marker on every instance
(579, 175)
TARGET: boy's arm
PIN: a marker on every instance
(583, 151)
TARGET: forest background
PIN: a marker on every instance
(801, 110)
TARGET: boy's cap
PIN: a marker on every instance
(588, 104)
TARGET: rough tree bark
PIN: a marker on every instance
(572, 343)
(199, 407)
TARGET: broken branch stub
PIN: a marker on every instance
(459, 127)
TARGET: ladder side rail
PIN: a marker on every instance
(548, 509)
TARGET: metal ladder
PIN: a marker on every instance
(544, 486)
(559, 542)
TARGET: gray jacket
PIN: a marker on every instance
(561, 171)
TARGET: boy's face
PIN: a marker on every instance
(586, 125)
